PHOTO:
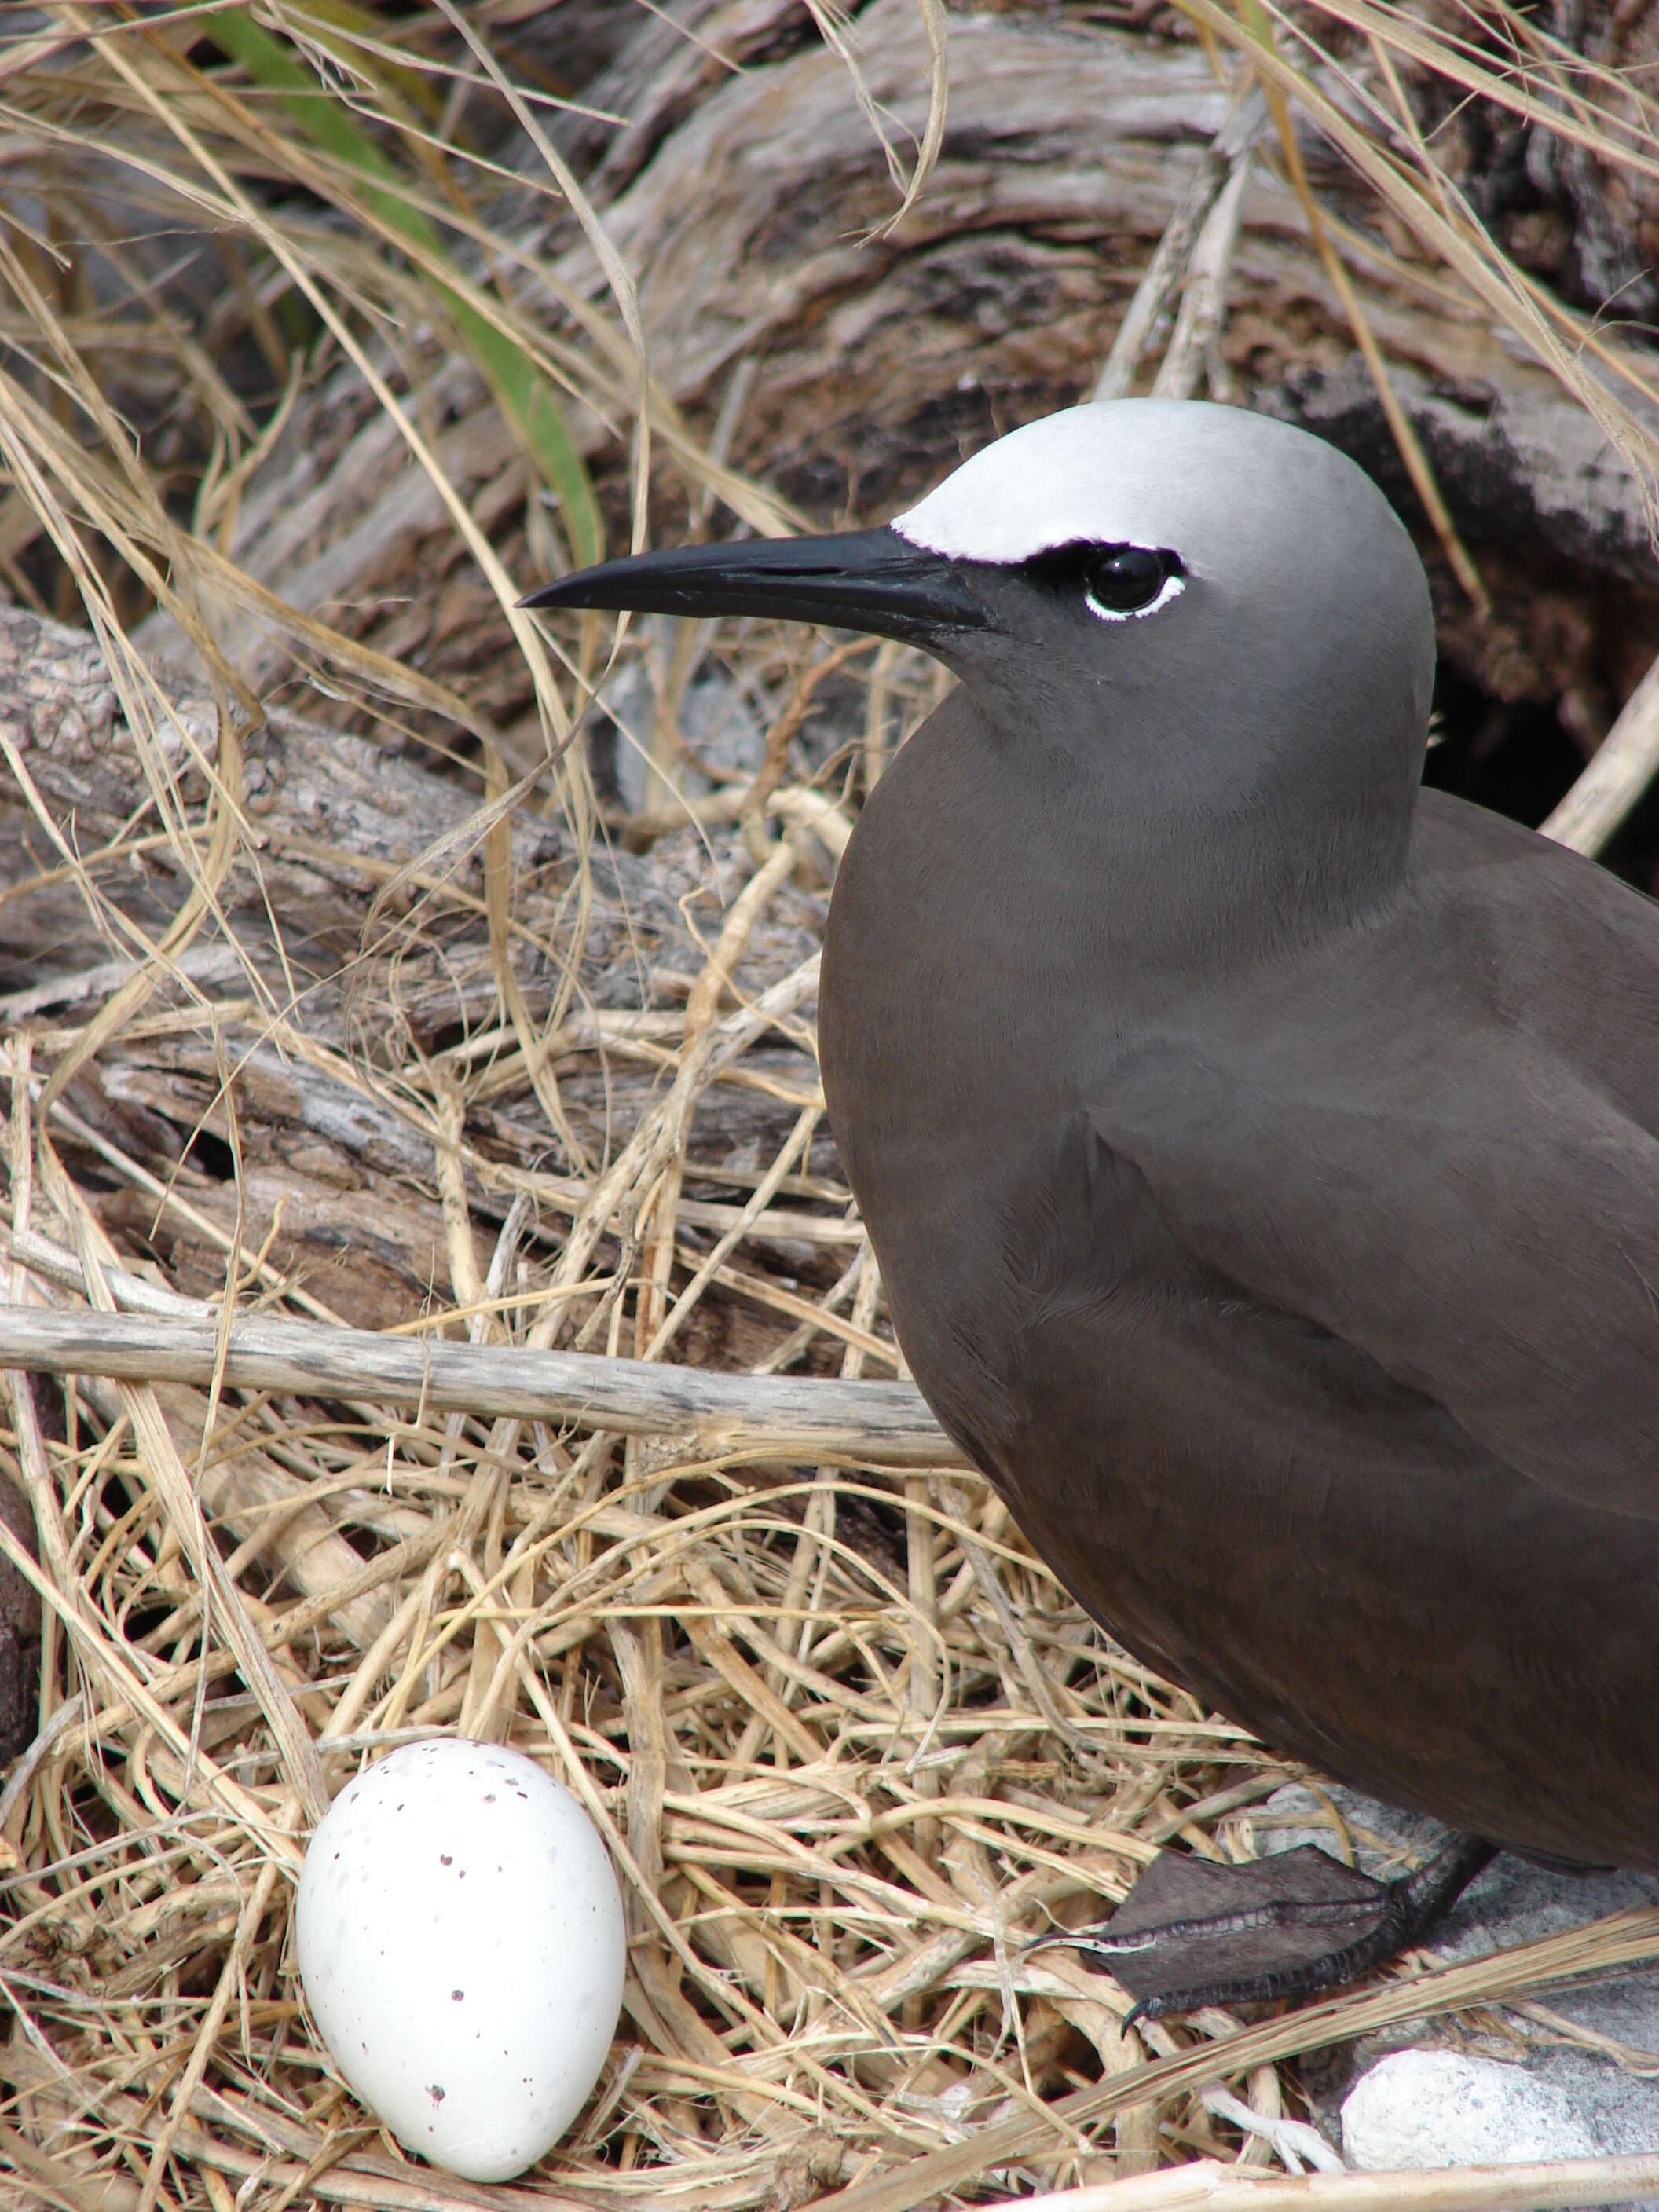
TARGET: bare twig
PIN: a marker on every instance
(886, 1422)
(1521, 2187)
(1226, 156)
(1617, 778)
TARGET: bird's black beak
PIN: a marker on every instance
(864, 580)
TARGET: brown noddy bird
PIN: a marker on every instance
(1261, 1152)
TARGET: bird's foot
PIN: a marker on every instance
(1196, 1932)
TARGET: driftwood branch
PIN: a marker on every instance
(780, 1416)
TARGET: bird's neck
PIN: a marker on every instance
(1056, 878)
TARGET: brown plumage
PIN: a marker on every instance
(1261, 1154)
(1308, 1325)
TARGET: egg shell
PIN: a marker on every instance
(461, 1943)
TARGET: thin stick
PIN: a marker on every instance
(1615, 782)
(1229, 147)
(780, 1415)
(1204, 302)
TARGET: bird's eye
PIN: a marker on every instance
(1126, 579)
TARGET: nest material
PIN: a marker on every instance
(850, 1744)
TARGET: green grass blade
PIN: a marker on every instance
(521, 390)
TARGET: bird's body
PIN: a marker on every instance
(1066, 1180)
(1261, 1154)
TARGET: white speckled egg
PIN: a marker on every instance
(461, 1943)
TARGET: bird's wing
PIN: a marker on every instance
(1484, 1225)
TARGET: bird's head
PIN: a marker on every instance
(1219, 595)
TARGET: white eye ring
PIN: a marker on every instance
(1174, 585)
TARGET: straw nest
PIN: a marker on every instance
(345, 988)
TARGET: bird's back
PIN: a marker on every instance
(1548, 942)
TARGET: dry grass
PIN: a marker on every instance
(850, 1744)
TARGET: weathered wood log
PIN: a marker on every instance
(335, 819)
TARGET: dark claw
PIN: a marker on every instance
(1196, 1932)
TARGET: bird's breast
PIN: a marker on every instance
(952, 1025)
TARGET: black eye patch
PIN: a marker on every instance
(1112, 581)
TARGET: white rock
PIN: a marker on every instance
(1429, 2108)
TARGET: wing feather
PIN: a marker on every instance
(1487, 1231)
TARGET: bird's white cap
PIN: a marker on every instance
(1154, 472)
